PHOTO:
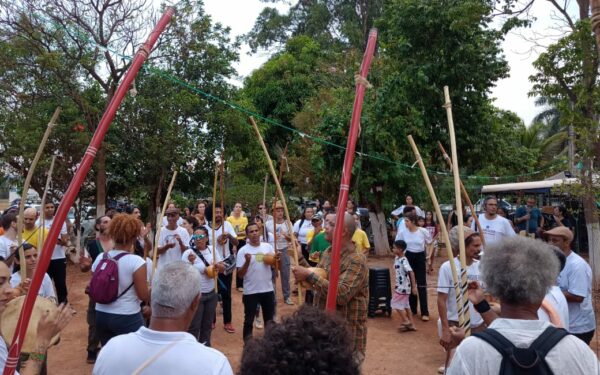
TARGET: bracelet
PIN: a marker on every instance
(482, 307)
(40, 357)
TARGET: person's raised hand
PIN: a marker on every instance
(476, 294)
(51, 323)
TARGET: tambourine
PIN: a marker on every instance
(319, 272)
(10, 318)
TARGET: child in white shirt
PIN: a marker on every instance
(405, 285)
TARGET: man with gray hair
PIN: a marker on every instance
(353, 288)
(165, 347)
(519, 271)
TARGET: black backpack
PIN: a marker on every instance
(517, 361)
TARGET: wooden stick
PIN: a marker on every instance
(459, 213)
(222, 188)
(465, 195)
(32, 167)
(282, 197)
(214, 207)
(159, 226)
(264, 201)
(43, 216)
(438, 213)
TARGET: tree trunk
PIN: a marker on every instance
(100, 182)
(379, 226)
(593, 228)
(154, 205)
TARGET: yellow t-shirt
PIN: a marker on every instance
(239, 224)
(361, 241)
(32, 237)
(311, 234)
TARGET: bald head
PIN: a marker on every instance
(29, 216)
(349, 226)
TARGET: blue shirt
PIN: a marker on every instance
(533, 221)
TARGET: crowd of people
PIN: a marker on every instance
(524, 293)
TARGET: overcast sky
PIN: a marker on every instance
(511, 93)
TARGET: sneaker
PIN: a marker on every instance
(441, 369)
(229, 328)
(258, 323)
(91, 357)
(425, 318)
(288, 301)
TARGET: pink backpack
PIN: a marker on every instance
(104, 287)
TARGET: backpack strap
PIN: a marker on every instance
(495, 339)
(116, 258)
(202, 257)
(119, 256)
(548, 340)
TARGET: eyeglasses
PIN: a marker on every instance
(198, 236)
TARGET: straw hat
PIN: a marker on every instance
(278, 204)
(453, 235)
(10, 318)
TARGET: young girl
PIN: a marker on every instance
(405, 285)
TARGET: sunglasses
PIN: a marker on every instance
(198, 236)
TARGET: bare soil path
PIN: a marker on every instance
(388, 351)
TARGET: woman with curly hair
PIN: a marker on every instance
(310, 341)
(124, 314)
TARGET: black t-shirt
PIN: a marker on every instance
(94, 248)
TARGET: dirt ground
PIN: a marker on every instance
(388, 351)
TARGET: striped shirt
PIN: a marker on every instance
(353, 292)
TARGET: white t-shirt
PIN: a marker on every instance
(494, 230)
(445, 281)
(207, 284)
(4, 355)
(46, 289)
(5, 245)
(302, 231)
(402, 268)
(223, 250)
(557, 299)
(59, 250)
(124, 354)
(415, 241)
(282, 229)
(173, 254)
(570, 356)
(128, 303)
(258, 276)
(149, 269)
(576, 278)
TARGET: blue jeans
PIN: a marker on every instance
(111, 325)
